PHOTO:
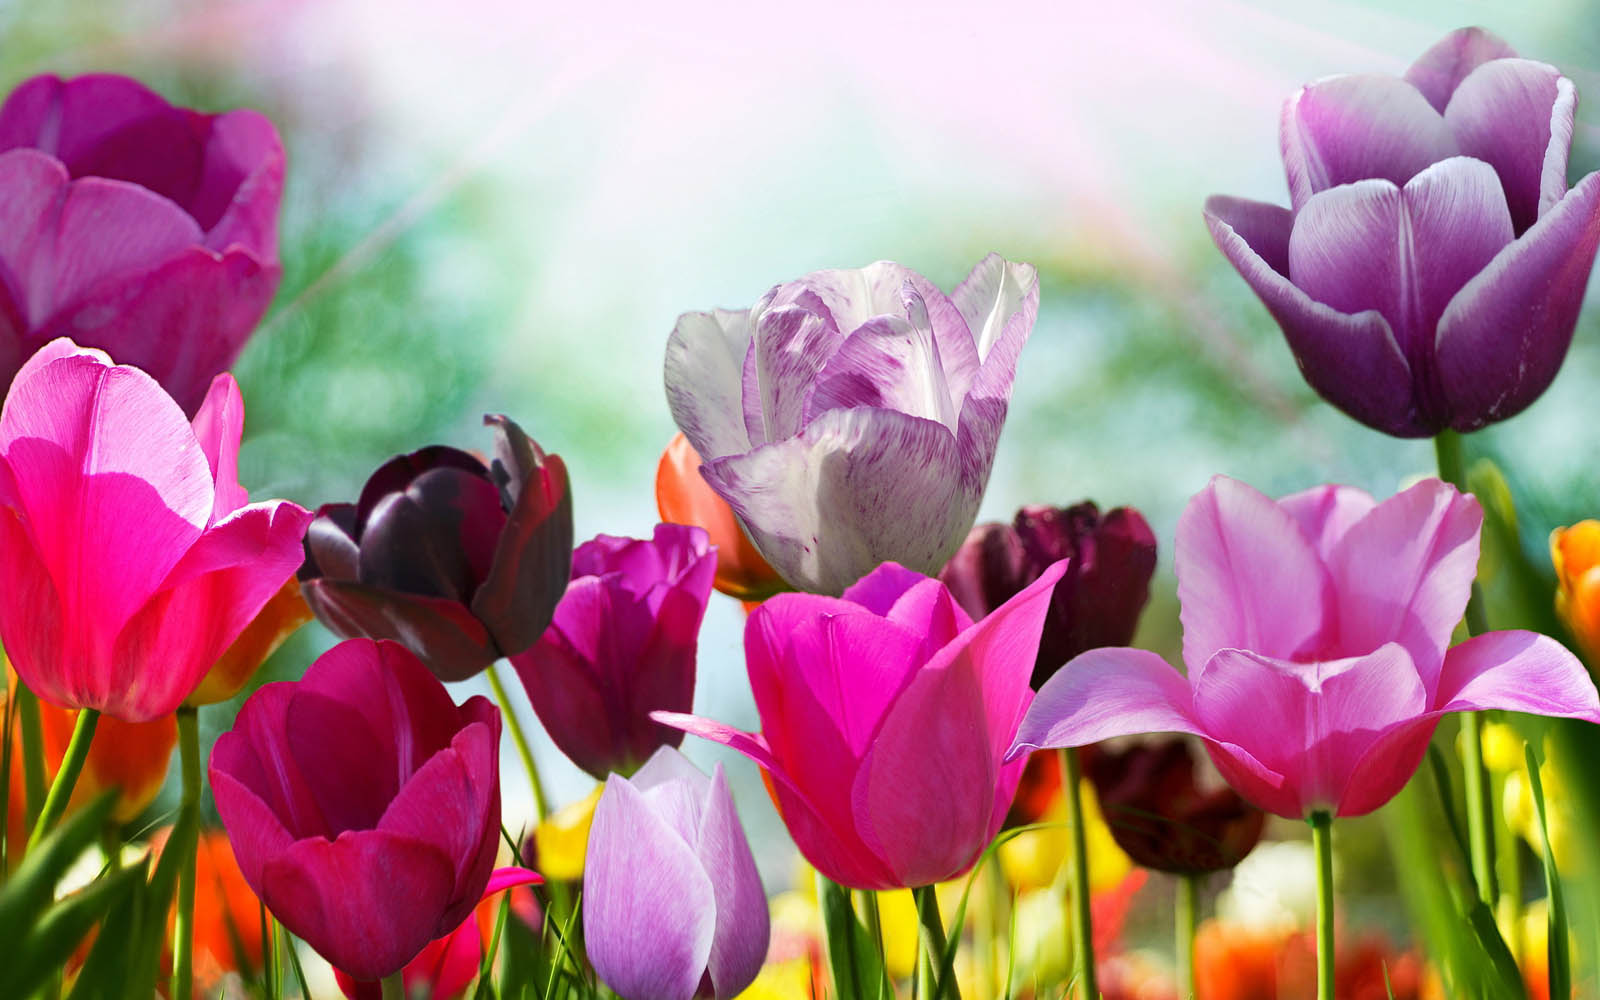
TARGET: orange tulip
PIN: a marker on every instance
(683, 497)
(275, 622)
(1576, 554)
(1242, 963)
(227, 915)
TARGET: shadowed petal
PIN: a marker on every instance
(218, 426)
(888, 362)
(743, 928)
(704, 378)
(1519, 672)
(450, 640)
(1516, 115)
(1325, 513)
(1438, 71)
(1106, 692)
(533, 557)
(792, 344)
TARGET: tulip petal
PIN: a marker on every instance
(254, 755)
(253, 827)
(1326, 513)
(919, 603)
(792, 344)
(532, 560)
(994, 300)
(1516, 115)
(887, 363)
(1403, 252)
(1353, 362)
(367, 902)
(331, 742)
(1349, 128)
(1248, 577)
(219, 426)
(435, 538)
(705, 380)
(237, 198)
(1386, 766)
(1107, 692)
(330, 544)
(739, 946)
(649, 909)
(854, 489)
(449, 639)
(1519, 672)
(1439, 71)
(510, 877)
(1404, 572)
(386, 683)
(1504, 335)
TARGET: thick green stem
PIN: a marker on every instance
(1480, 803)
(931, 948)
(1082, 913)
(71, 765)
(541, 805)
(183, 926)
(33, 766)
(1322, 844)
(394, 987)
(874, 921)
(1187, 913)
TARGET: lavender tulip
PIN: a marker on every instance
(135, 226)
(621, 645)
(672, 904)
(850, 417)
(1429, 270)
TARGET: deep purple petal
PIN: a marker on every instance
(1517, 115)
(1438, 71)
(449, 639)
(435, 538)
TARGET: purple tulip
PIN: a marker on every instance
(461, 562)
(850, 417)
(363, 805)
(1110, 561)
(672, 904)
(621, 645)
(134, 226)
(1429, 271)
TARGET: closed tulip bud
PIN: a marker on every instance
(461, 562)
(1575, 551)
(684, 497)
(143, 229)
(1160, 815)
(672, 903)
(363, 804)
(622, 644)
(1110, 560)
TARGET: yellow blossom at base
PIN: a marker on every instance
(563, 838)
(1034, 859)
(787, 980)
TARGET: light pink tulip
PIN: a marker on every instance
(884, 718)
(131, 557)
(1316, 630)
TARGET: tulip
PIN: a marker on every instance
(622, 643)
(1161, 816)
(683, 497)
(1429, 271)
(1575, 551)
(462, 563)
(363, 804)
(858, 694)
(132, 556)
(672, 904)
(227, 915)
(1097, 602)
(135, 226)
(1316, 633)
(284, 613)
(850, 417)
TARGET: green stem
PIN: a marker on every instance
(1082, 913)
(1187, 913)
(1322, 845)
(183, 926)
(71, 765)
(1480, 803)
(394, 986)
(931, 948)
(33, 766)
(541, 805)
(874, 921)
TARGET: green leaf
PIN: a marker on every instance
(853, 957)
(109, 970)
(33, 887)
(1560, 957)
(44, 949)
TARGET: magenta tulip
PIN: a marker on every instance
(363, 804)
(135, 226)
(621, 645)
(1316, 631)
(672, 903)
(885, 716)
(131, 554)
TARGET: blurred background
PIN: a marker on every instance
(498, 206)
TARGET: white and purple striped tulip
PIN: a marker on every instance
(1430, 267)
(672, 903)
(851, 416)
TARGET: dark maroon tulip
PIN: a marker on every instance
(461, 562)
(1430, 267)
(127, 224)
(363, 804)
(1096, 604)
(622, 645)
(1159, 814)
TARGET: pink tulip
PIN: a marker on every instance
(132, 557)
(132, 225)
(1316, 631)
(363, 804)
(885, 715)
